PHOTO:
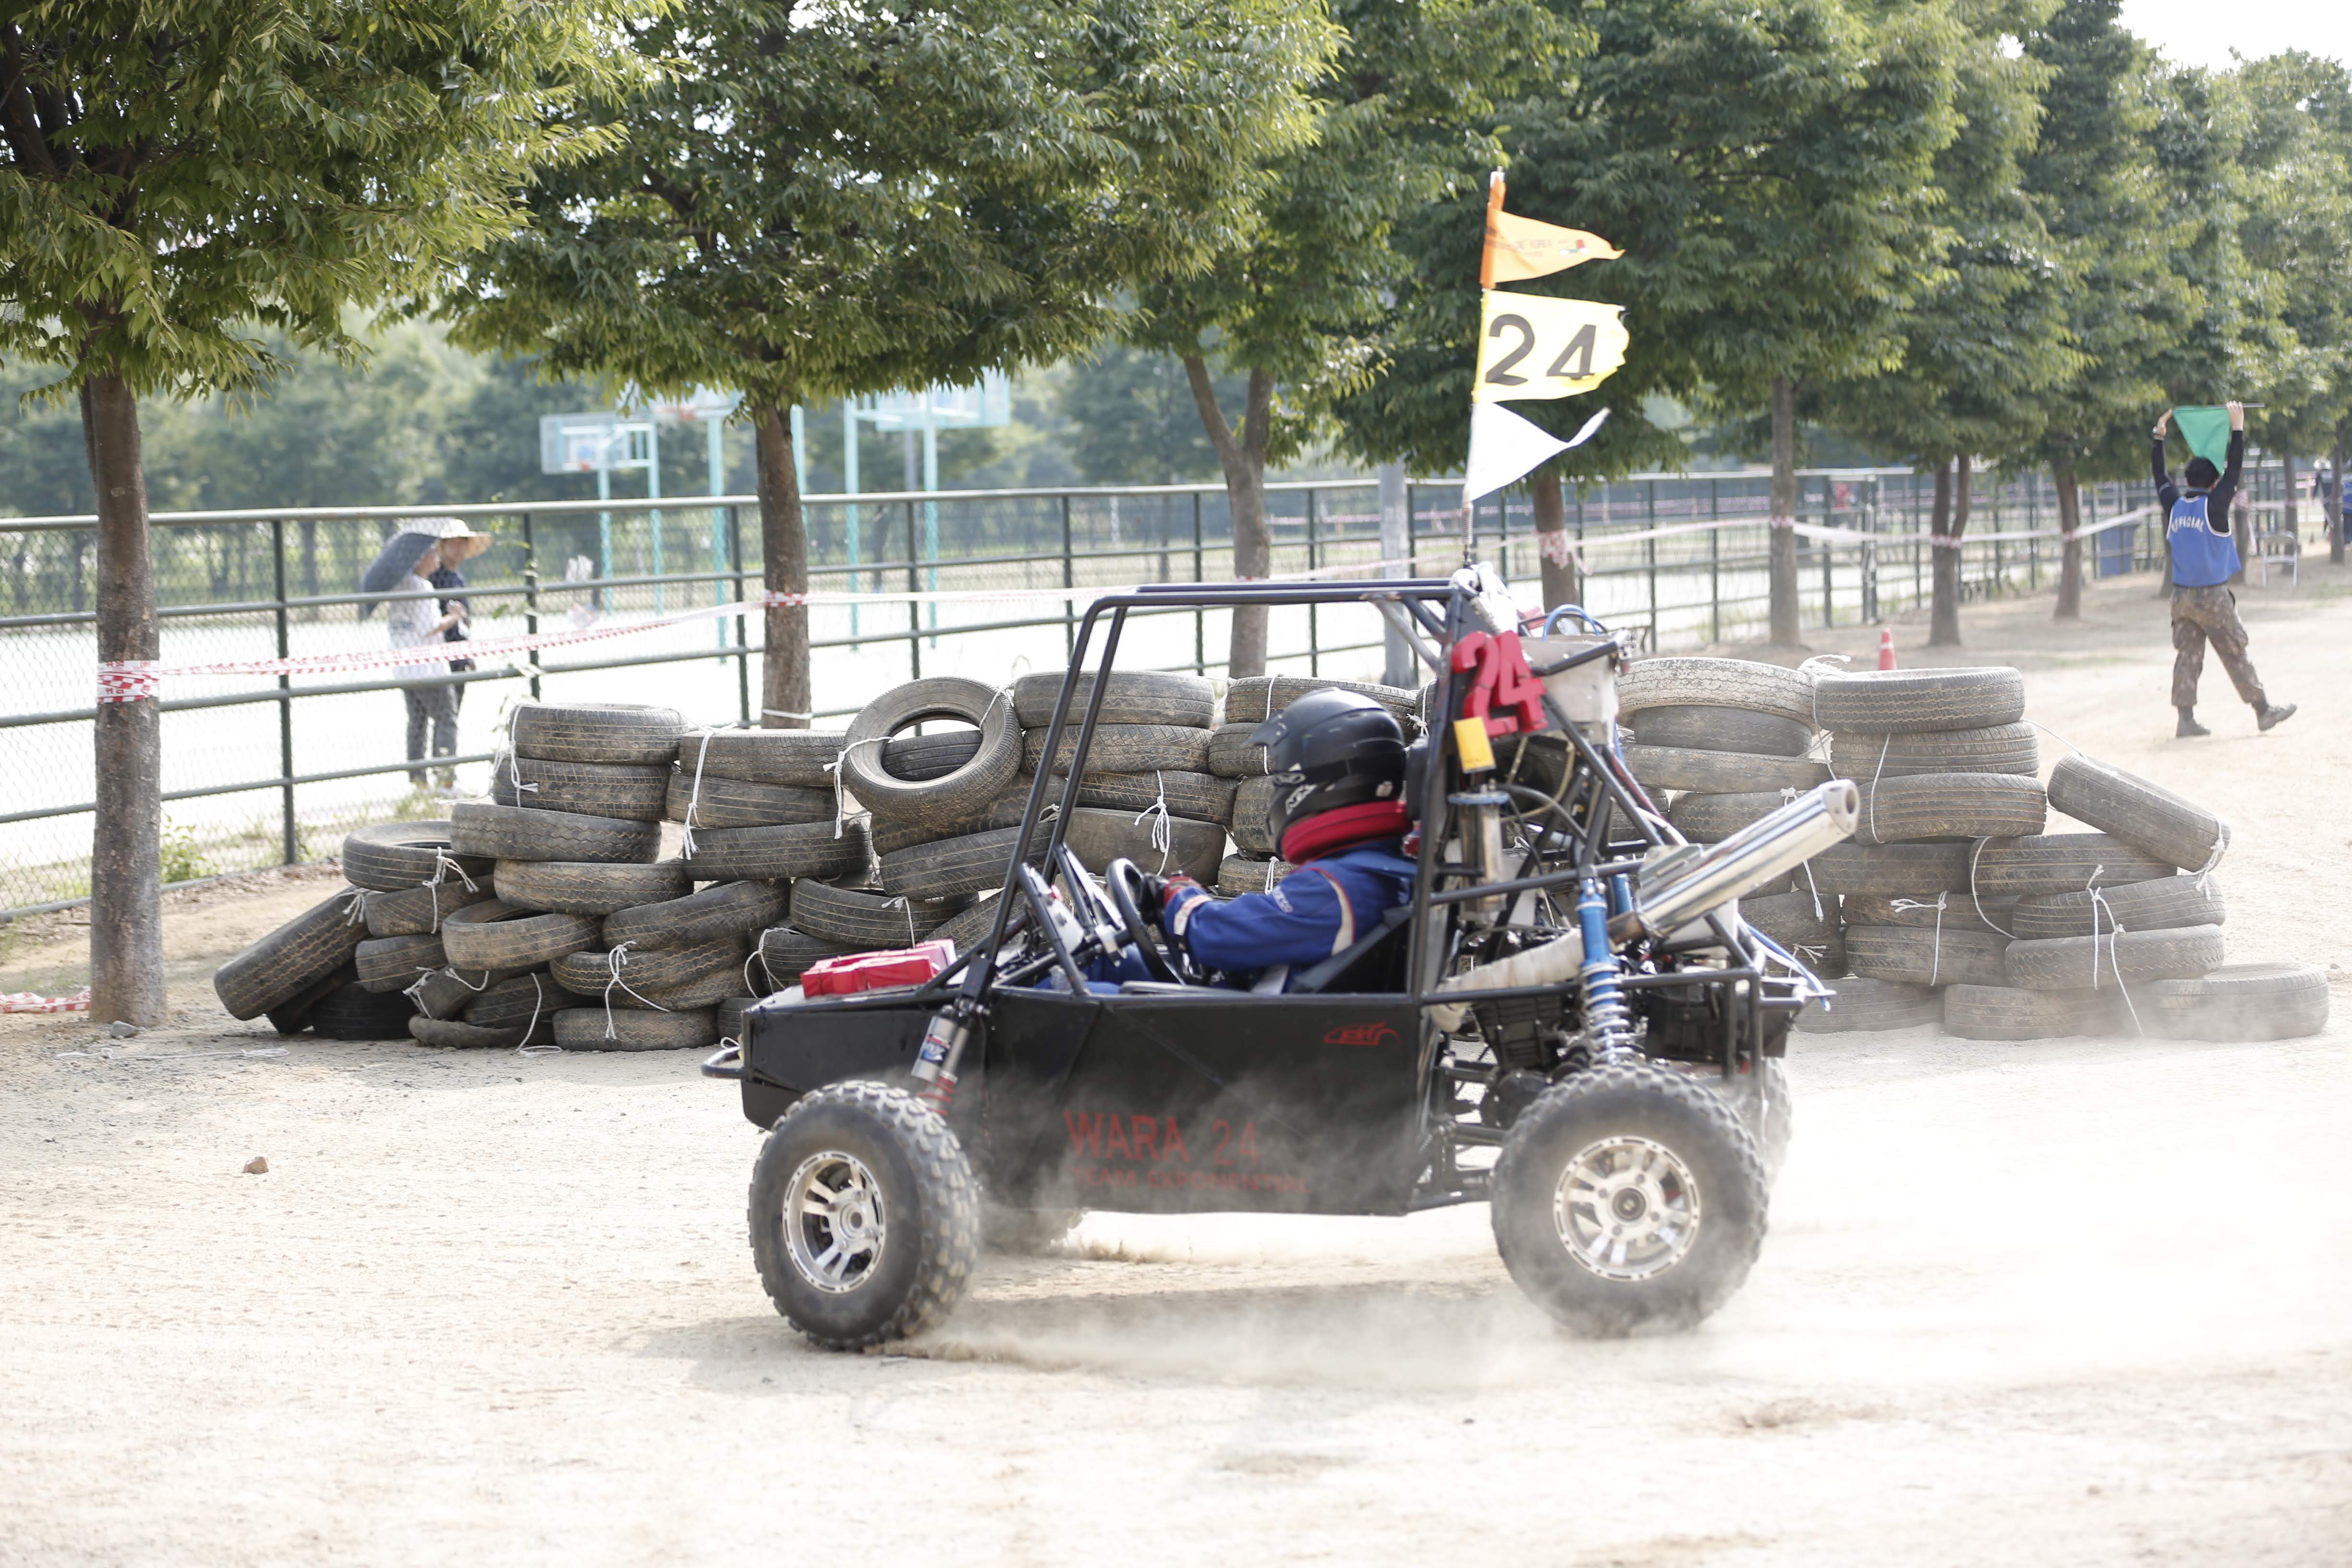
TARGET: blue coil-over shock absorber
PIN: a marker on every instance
(1605, 1018)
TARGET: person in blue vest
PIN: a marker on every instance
(2204, 559)
(1340, 817)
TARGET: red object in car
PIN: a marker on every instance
(876, 970)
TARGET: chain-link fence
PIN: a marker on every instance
(262, 770)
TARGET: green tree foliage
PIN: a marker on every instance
(1289, 314)
(174, 174)
(1133, 419)
(820, 202)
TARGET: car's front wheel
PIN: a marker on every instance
(1629, 1197)
(864, 1217)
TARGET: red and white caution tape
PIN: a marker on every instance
(31, 1002)
(127, 679)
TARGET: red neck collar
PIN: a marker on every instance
(1328, 832)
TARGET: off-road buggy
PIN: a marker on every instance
(1567, 1021)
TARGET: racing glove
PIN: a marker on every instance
(1162, 892)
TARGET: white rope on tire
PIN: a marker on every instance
(356, 912)
(1162, 840)
(694, 797)
(1935, 958)
(1979, 902)
(2115, 946)
(614, 962)
(523, 1047)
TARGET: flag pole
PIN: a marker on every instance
(1487, 250)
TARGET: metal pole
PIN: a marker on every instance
(715, 444)
(285, 703)
(604, 522)
(1650, 516)
(742, 633)
(1714, 565)
(931, 508)
(849, 483)
(1829, 558)
(653, 516)
(530, 595)
(913, 608)
(1396, 544)
(1200, 617)
(1069, 580)
(1314, 641)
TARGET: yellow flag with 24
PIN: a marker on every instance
(1532, 346)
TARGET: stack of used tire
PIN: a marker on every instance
(1255, 867)
(1148, 794)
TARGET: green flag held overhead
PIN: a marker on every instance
(2206, 428)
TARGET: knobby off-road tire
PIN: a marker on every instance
(1250, 873)
(1995, 749)
(973, 863)
(392, 856)
(1628, 1197)
(2092, 963)
(770, 854)
(1770, 1117)
(291, 959)
(1958, 911)
(1926, 957)
(1249, 700)
(1950, 805)
(968, 787)
(588, 886)
(1864, 1004)
(863, 1215)
(516, 1002)
(525, 833)
(1099, 838)
(584, 1029)
(1123, 749)
(1131, 697)
(633, 792)
(418, 912)
(867, 920)
(2163, 904)
(2167, 826)
(654, 968)
(1720, 772)
(739, 802)
(1895, 870)
(803, 758)
(723, 909)
(1877, 701)
(2008, 1013)
(2239, 1002)
(1682, 682)
(498, 935)
(614, 732)
(394, 962)
(1735, 729)
(2058, 863)
(1231, 756)
(353, 1013)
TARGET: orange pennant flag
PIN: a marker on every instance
(1518, 249)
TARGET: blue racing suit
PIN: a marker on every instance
(1321, 908)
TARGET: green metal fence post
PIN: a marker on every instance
(530, 597)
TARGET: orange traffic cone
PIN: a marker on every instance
(1886, 648)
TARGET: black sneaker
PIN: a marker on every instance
(2189, 728)
(2270, 717)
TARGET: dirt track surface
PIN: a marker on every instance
(2076, 1302)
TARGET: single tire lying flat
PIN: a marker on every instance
(394, 962)
(2059, 863)
(2008, 1013)
(588, 886)
(1652, 683)
(417, 911)
(1957, 911)
(2093, 963)
(1123, 749)
(919, 759)
(2167, 826)
(448, 992)
(517, 1000)
(1253, 805)
(1950, 805)
(737, 802)
(690, 996)
(1193, 849)
(947, 867)
(723, 909)
(1239, 874)
(291, 959)
(451, 1034)
(974, 784)
(1929, 957)
(524, 833)
(867, 920)
(2164, 904)
(391, 856)
(292, 1015)
(1876, 702)
(1723, 730)
(1994, 748)
(1251, 699)
(803, 758)
(498, 935)
(590, 970)
(592, 1029)
(1005, 811)
(619, 733)
(351, 1013)
(1131, 697)
(782, 954)
(2240, 1002)
(1231, 756)
(1721, 773)
(1896, 870)
(634, 792)
(772, 854)
(1711, 818)
(1203, 798)
(1863, 1005)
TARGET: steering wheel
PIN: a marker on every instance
(1168, 963)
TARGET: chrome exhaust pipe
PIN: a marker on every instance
(1768, 847)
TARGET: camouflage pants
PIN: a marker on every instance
(2202, 614)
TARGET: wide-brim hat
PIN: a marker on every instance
(457, 537)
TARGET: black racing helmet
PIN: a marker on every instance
(1327, 749)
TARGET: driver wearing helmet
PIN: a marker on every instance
(1338, 760)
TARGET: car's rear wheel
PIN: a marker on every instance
(1629, 1197)
(863, 1215)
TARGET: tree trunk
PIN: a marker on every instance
(784, 701)
(2069, 519)
(2292, 519)
(1243, 458)
(1951, 521)
(1561, 583)
(126, 908)
(1783, 569)
(2336, 501)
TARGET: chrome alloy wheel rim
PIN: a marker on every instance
(1627, 1209)
(833, 1222)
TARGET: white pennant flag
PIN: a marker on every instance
(1505, 448)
